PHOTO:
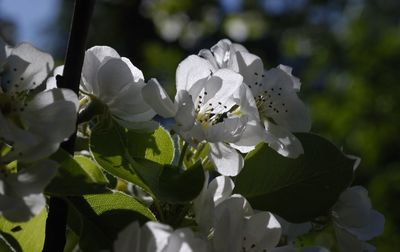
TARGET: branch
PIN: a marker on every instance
(58, 209)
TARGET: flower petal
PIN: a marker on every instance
(129, 238)
(155, 236)
(26, 68)
(43, 113)
(262, 232)
(185, 114)
(33, 179)
(249, 66)
(158, 99)
(52, 81)
(282, 103)
(94, 57)
(192, 70)
(281, 140)
(227, 161)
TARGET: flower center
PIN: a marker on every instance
(208, 114)
(10, 107)
(269, 103)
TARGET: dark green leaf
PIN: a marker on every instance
(76, 176)
(296, 189)
(177, 186)
(99, 218)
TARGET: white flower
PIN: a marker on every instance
(238, 228)
(33, 123)
(275, 93)
(116, 82)
(355, 221)
(21, 192)
(231, 222)
(157, 237)
(210, 105)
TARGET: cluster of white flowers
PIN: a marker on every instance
(224, 101)
(225, 98)
(28, 111)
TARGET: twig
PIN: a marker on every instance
(58, 208)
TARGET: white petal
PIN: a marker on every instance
(222, 52)
(52, 81)
(220, 188)
(113, 76)
(221, 87)
(185, 114)
(250, 67)
(158, 99)
(293, 230)
(353, 212)
(281, 140)
(282, 103)
(128, 239)
(209, 56)
(43, 113)
(33, 179)
(229, 130)
(192, 70)
(136, 72)
(155, 236)
(228, 229)
(26, 68)
(262, 231)
(227, 161)
(15, 209)
(295, 81)
(230, 223)
(353, 207)
(374, 227)
(183, 240)
(94, 57)
(350, 243)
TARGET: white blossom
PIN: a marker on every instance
(231, 221)
(33, 123)
(158, 237)
(117, 83)
(275, 91)
(21, 194)
(355, 221)
(210, 105)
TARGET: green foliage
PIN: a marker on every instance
(27, 236)
(98, 218)
(296, 189)
(115, 149)
(76, 176)
(145, 160)
(178, 186)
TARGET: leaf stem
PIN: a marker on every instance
(182, 154)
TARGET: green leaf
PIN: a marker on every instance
(115, 148)
(177, 186)
(296, 189)
(76, 176)
(25, 236)
(98, 218)
(169, 183)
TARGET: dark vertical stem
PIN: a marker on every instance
(58, 209)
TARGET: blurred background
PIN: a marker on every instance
(346, 53)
